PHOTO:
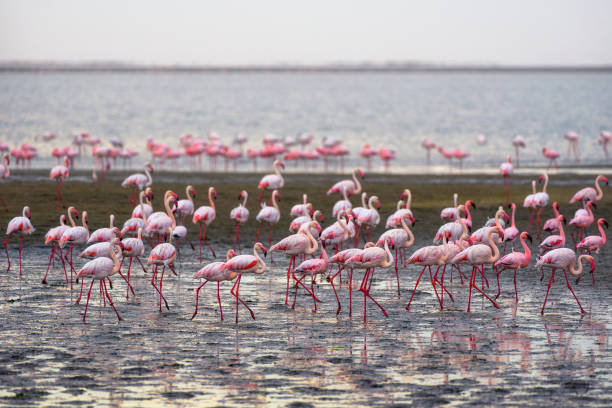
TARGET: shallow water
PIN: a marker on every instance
(295, 357)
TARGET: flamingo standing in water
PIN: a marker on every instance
(572, 137)
(386, 155)
(594, 242)
(402, 237)
(506, 171)
(554, 241)
(552, 224)
(18, 226)
(511, 233)
(393, 221)
(105, 234)
(336, 233)
(540, 201)
(132, 225)
(370, 259)
(514, 260)
(518, 141)
(563, 258)
(144, 204)
(100, 269)
(269, 214)
(367, 152)
(604, 138)
(60, 173)
(369, 218)
(305, 208)
(451, 213)
(272, 181)
(448, 154)
(214, 272)
(163, 254)
(312, 268)
(552, 156)
(5, 172)
(75, 235)
(590, 193)
(204, 216)
(240, 215)
(580, 222)
(428, 145)
(53, 236)
(350, 186)
(246, 264)
(184, 208)
(133, 248)
(138, 181)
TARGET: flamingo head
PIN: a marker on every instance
(263, 249)
(377, 201)
(149, 193)
(26, 211)
(591, 261)
(281, 164)
(318, 215)
(605, 180)
(277, 194)
(192, 191)
(506, 216)
(470, 203)
(117, 232)
(85, 218)
(603, 222)
(361, 173)
(541, 178)
(8, 159)
(391, 242)
(500, 232)
(556, 205)
(591, 204)
(525, 235)
(561, 218)
(149, 166)
(230, 254)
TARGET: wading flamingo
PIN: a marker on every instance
(342, 205)
(52, 237)
(60, 173)
(511, 233)
(572, 137)
(402, 237)
(144, 204)
(5, 172)
(552, 156)
(76, 235)
(272, 181)
(299, 210)
(269, 214)
(506, 171)
(393, 221)
(105, 234)
(159, 222)
(554, 241)
(203, 216)
(369, 218)
(336, 233)
(451, 213)
(100, 269)
(604, 138)
(133, 248)
(514, 260)
(240, 215)
(312, 268)
(246, 264)
(214, 272)
(138, 182)
(552, 224)
(594, 242)
(580, 222)
(590, 193)
(370, 259)
(367, 152)
(356, 211)
(563, 258)
(518, 141)
(132, 225)
(18, 226)
(428, 145)
(540, 200)
(184, 208)
(163, 254)
(351, 186)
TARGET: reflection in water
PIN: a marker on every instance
(290, 356)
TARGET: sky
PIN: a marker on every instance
(228, 32)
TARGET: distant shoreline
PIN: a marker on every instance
(327, 68)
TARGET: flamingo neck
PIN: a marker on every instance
(576, 271)
(113, 256)
(169, 211)
(62, 220)
(7, 172)
(85, 222)
(410, 234)
(526, 249)
(70, 217)
(276, 170)
(590, 210)
(597, 187)
(357, 183)
(363, 200)
(112, 221)
(305, 199)
(388, 256)
(187, 190)
(545, 183)
(494, 248)
(533, 187)
(344, 195)
(455, 198)
(561, 231)
(324, 253)
(446, 254)
(260, 263)
(274, 204)
(210, 199)
(140, 234)
(556, 210)
(513, 212)
(399, 204)
(408, 199)
(244, 200)
(371, 203)
(312, 243)
(148, 174)
(601, 231)
(143, 214)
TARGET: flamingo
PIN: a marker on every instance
(370, 217)
(105, 234)
(246, 264)
(514, 260)
(386, 155)
(296, 244)
(511, 233)
(5, 172)
(460, 155)
(204, 216)
(580, 222)
(60, 173)
(552, 224)
(594, 242)
(297, 224)
(426, 257)
(356, 211)
(138, 181)
(572, 137)
(428, 145)
(272, 181)
(563, 258)
(590, 193)
(185, 208)
(480, 254)
(604, 138)
(214, 272)
(299, 210)
(20, 226)
(506, 171)
(370, 259)
(540, 200)
(529, 203)
(350, 186)
(132, 225)
(336, 233)
(311, 267)
(240, 215)
(269, 214)
(143, 206)
(552, 155)
(402, 237)
(518, 141)
(451, 213)
(75, 235)
(133, 248)
(100, 269)
(554, 241)
(480, 235)
(394, 220)
(367, 152)
(53, 236)
(163, 254)
(342, 205)
(448, 154)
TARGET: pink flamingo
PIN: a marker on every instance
(428, 145)
(590, 193)
(604, 138)
(356, 211)
(53, 236)
(100, 269)
(386, 155)
(336, 233)
(514, 260)
(393, 221)
(540, 200)
(563, 258)
(594, 242)
(246, 264)
(572, 137)
(185, 207)
(506, 171)
(312, 268)
(402, 237)
(367, 153)
(296, 244)
(143, 206)
(302, 209)
(272, 181)
(518, 141)
(204, 216)
(448, 154)
(580, 222)
(554, 241)
(20, 226)
(75, 235)
(460, 155)
(342, 205)
(552, 155)
(133, 248)
(163, 254)
(370, 259)
(5, 172)
(138, 181)
(511, 233)
(105, 234)
(214, 272)
(60, 173)
(269, 214)
(240, 215)
(552, 224)
(132, 225)
(350, 186)
(296, 224)
(451, 213)
(479, 255)
(529, 203)
(369, 218)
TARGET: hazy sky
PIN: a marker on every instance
(311, 31)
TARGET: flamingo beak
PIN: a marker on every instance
(473, 204)
(506, 217)
(605, 223)
(215, 195)
(593, 204)
(529, 238)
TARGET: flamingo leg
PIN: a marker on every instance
(335, 293)
(143, 267)
(415, 287)
(258, 231)
(200, 240)
(433, 285)
(550, 281)
(61, 257)
(197, 299)
(88, 296)
(7, 253)
(127, 291)
(312, 291)
(207, 244)
(572, 290)
(219, 300)
(364, 283)
(351, 292)
(78, 300)
(156, 288)
(515, 290)
(397, 274)
(44, 280)
(291, 261)
(484, 294)
(111, 301)
(367, 293)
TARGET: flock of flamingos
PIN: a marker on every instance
(456, 244)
